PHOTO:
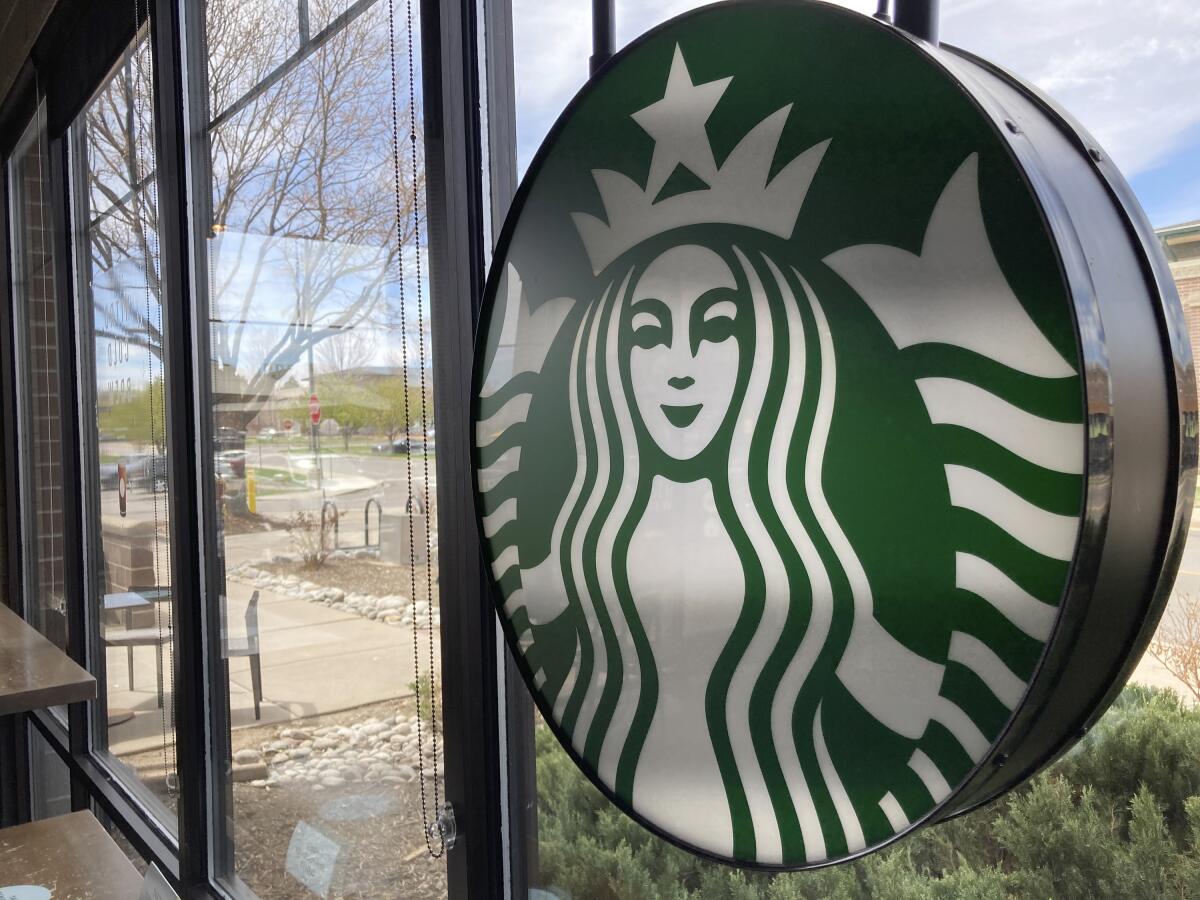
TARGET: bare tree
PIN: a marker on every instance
(1177, 643)
(304, 203)
(345, 352)
(125, 217)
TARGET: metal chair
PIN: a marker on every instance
(150, 636)
(159, 634)
(245, 645)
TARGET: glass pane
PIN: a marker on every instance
(273, 28)
(37, 336)
(123, 427)
(323, 13)
(49, 779)
(323, 458)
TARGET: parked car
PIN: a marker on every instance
(226, 438)
(231, 463)
(108, 476)
(146, 472)
(400, 445)
(406, 445)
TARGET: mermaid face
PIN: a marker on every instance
(684, 361)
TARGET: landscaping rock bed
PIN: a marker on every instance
(283, 575)
(376, 825)
(374, 750)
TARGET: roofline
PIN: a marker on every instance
(1182, 228)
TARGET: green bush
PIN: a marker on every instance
(1117, 817)
(1148, 737)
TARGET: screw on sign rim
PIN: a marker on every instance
(1042, 522)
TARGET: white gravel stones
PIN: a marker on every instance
(390, 609)
(374, 750)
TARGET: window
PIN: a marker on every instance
(120, 318)
(323, 454)
(263, 617)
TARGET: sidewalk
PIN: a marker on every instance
(315, 660)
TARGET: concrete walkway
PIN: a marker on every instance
(315, 660)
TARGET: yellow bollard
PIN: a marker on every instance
(251, 491)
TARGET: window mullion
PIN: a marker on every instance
(70, 445)
(182, 440)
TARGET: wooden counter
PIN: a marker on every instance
(34, 674)
(72, 856)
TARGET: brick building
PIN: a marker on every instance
(1182, 246)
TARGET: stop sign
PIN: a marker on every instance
(314, 408)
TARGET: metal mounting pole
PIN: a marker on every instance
(918, 17)
(604, 33)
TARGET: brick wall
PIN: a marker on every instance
(39, 379)
(1187, 281)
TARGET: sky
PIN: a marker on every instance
(1128, 71)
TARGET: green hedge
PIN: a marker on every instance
(1118, 817)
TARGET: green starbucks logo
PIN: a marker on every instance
(779, 435)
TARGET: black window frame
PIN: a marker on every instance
(466, 49)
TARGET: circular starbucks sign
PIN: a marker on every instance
(799, 385)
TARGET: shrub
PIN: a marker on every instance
(1147, 738)
(1062, 841)
(308, 539)
(1118, 817)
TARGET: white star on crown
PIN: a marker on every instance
(738, 192)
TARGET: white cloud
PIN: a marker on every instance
(552, 43)
(1127, 71)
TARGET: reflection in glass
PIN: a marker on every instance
(123, 426)
(49, 779)
(323, 454)
(36, 316)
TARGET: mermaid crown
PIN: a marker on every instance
(739, 192)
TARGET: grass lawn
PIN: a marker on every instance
(359, 445)
(273, 481)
